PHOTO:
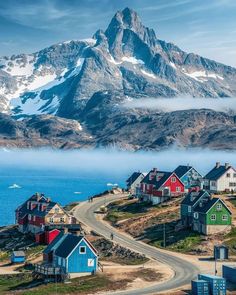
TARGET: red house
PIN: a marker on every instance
(158, 186)
(47, 236)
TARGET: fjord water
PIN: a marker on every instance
(69, 176)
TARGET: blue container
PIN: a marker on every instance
(221, 252)
(217, 285)
(229, 273)
(200, 287)
(18, 257)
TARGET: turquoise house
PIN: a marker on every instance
(73, 254)
(190, 177)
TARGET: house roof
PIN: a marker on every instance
(182, 170)
(188, 200)
(39, 199)
(51, 246)
(208, 205)
(19, 253)
(68, 245)
(133, 177)
(217, 172)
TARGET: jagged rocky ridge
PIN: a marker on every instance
(89, 81)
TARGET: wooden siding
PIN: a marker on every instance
(219, 214)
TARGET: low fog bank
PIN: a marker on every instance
(111, 161)
(186, 103)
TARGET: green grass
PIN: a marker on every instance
(183, 241)
(9, 284)
(231, 241)
(233, 201)
(35, 250)
(4, 255)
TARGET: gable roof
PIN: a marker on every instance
(181, 170)
(188, 200)
(217, 172)
(52, 245)
(133, 177)
(207, 206)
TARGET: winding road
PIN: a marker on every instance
(184, 271)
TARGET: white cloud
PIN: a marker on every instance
(177, 104)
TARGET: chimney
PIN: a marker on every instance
(227, 165)
(217, 164)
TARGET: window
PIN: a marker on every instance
(228, 175)
(56, 210)
(213, 217)
(51, 219)
(173, 179)
(62, 219)
(29, 217)
(232, 184)
(224, 217)
(234, 175)
(196, 215)
(219, 207)
(82, 249)
(189, 209)
(90, 262)
(178, 189)
(59, 260)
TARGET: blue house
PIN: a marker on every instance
(71, 253)
(190, 177)
(18, 257)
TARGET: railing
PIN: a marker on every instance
(48, 269)
(100, 266)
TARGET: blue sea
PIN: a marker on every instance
(69, 176)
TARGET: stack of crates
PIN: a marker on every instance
(200, 287)
(229, 273)
(217, 285)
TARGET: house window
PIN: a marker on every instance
(213, 217)
(224, 217)
(234, 175)
(232, 184)
(219, 207)
(59, 260)
(82, 250)
(173, 179)
(51, 219)
(29, 217)
(228, 175)
(196, 215)
(62, 219)
(56, 210)
(189, 209)
(90, 262)
(178, 189)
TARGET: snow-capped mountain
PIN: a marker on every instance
(127, 57)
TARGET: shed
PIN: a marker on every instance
(18, 257)
(221, 252)
(200, 287)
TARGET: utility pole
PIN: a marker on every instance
(164, 235)
(215, 266)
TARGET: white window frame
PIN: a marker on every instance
(91, 262)
(219, 207)
(51, 220)
(178, 189)
(225, 219)
(196, 215)
(173, 179)
(213, 215)
(84, 250)
(189, 209)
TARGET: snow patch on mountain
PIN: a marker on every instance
(200, 75)
(150, 75)
(133, 60)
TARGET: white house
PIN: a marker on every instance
(222, 178)
(133, 182)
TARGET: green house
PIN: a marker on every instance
(211, 217)
(189, 203)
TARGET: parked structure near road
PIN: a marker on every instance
(38, 211)
(221, 252)
(18, 257)
(217, 285)
(222, 178)
(134, 181)
(190, 177)
(69, 254)
(158, 186)
(229, 273)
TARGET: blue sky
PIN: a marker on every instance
(206, 27)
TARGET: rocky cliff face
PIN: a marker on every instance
(89, 81)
